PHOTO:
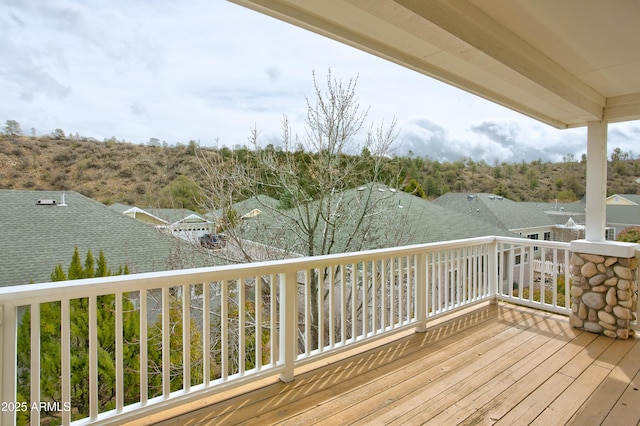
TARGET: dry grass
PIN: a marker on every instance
(136, 174)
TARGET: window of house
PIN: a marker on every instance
(547, 236)
(610, 234)
(518, 258)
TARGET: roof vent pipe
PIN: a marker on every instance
(63, 203)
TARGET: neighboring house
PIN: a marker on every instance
(500, 212)
(620, 217)
(621, 213)
(139, 214)
(246, 209)
(40, 231)
(182, 223)
(569, 219)
(397, 219)
(623, 200)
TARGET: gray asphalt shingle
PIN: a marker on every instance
(36, 238)
(499, 211)
(399, 219)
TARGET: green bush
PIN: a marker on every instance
(630, 235)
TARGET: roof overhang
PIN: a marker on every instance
(565, 63)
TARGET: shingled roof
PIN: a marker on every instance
(491, 208)
(398, 219)
(36, 238)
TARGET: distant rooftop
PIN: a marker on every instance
(499, 211)
(36, 237)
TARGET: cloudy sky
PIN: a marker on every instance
(210, 70)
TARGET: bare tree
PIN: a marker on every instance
(327, 184)
(311, 175)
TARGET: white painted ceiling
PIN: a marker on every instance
(563, 62)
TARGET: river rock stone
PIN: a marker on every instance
(623, 295)
(622, 333)
(610, 261)
(576, 260)
(607, 318)
(582, 311)
(611, 298)
(594, 300)
(622, 271)
(606, 326)
(622, 313)
(624, 285)
(626, 303)
(588, 270)
(594, 258)
(593, 327)
(611, 281)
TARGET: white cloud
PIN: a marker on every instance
(206, 69)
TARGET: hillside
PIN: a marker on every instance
(151, 175)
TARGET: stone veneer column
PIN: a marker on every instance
(603, 294)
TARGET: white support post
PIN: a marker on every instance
(493, 281)
(288, 324)
(596, 180)
(421, 292)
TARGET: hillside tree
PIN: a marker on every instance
(12, 128)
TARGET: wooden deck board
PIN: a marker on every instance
(499, 364)
(439, 392)
(613, 387)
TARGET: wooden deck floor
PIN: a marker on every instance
(501, 364)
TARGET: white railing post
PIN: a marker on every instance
(493, 272)
(421, 292)
(93, 358)
(34, 366)
(288, 323)
(8, 359)
(65, 358)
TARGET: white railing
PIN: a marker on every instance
(108, 350)
(526, 277)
